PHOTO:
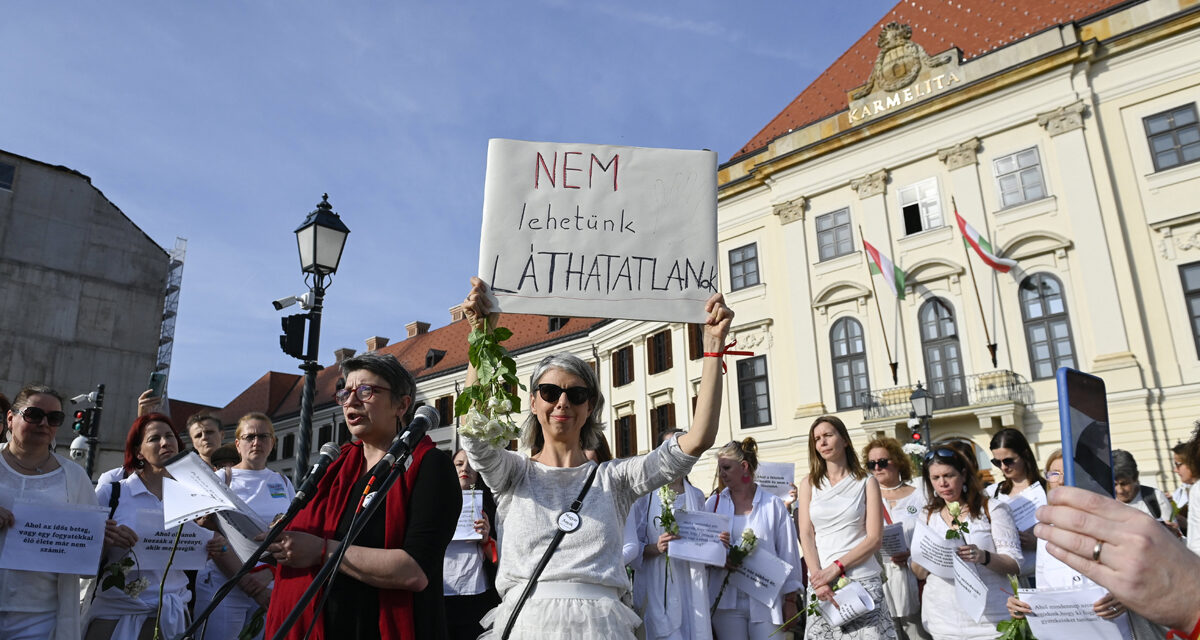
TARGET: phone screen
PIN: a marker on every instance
(1083, 419)
(157, 381)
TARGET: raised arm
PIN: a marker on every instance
(476, 309)
(708, 398)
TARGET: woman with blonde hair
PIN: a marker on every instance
(902, 504)
(839, 514)
(738, 615)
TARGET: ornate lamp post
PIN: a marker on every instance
(320, 240)
(922, 404)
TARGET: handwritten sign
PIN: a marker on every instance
(1024, 506)
(761, 576)
(974, 596)
(154, 544)
(57, 538)
(1068, 614)
(599, 230)
(933, 551)
(472, 510)
(776, 477)
(853, 602)
(895, 542)
(698, 537)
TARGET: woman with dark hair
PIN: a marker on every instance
(579, 593)
(1023, 487)
(389, 584)
(992, 543)
(602, 452)
(36, 605)
(902, 504)
(126, 614)
(839, 514)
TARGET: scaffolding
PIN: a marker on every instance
(166, 336)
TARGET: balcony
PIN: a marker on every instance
(1000, 387)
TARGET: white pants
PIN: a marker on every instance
(27, 626)
(733, 624)
(231, 616)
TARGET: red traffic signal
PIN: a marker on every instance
(80, 423)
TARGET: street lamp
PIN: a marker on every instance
(922, 404)
(320, 240)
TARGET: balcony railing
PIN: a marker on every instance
(978, 390)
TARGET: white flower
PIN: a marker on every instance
(954, 508)
(915, 449)
(135, 588)
(505, 406)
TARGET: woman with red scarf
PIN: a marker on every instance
(389, 585)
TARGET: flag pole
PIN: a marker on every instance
(975, 285)
(882, 327)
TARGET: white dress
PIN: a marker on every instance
(1193, 519)
(1034, 493)
(682, 613)
(529, 498)
(900, 585)
(940, 613)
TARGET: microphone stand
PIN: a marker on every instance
(356, 526)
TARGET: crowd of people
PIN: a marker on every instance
(574, 544)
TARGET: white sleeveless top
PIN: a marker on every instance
(839, 518)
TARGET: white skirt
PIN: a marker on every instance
(564, 610)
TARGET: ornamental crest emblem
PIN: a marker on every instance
(899, 62)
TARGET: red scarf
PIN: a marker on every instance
(321, 518)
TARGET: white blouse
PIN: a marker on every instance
(839, 518)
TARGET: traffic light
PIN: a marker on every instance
(292, 340)
(81, 420)
(914, 425)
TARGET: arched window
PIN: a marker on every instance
(849, 363)
(1047, 328)
(943, 359)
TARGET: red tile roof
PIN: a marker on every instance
(265, 396)
(974, 26)
(181, 410)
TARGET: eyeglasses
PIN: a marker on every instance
(551, 392)
(34, 415)
(1004, 462)
(947, 454)
(251, 437)
(878, 464)
(1054, 475)
(363, 391)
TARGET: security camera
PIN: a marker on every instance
(84, 397)
(305, 300)
(79, 448)
(283, 303)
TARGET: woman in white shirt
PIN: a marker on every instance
(902, 504)
(268, 494)
(1022, 488)
(115, 613)
(738, 615)
(992, 543)
(469, 568)
(839, 514)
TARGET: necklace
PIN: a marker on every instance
(36, 468)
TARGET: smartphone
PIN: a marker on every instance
(158, 380)
(1083, 419)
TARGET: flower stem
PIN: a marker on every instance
(724, 583)
(162, 583)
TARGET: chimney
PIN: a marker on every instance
(375, 343)
(343, 354)
(456, 313)
(416, 328)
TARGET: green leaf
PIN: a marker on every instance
(508, 364)
(500, 334)
(463, 404)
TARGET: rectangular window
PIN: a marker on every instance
(754, 401)
(8, 173)
(1174, 137)
(324, 434)
(662, 418)
(1190, 273)
(743, 267)
(921, 206)
(833, 235)
(622, 360)
(1019, 177)
(343, 433)
(626, 434)
(445, 409)
(695, 341)
(289, 446)
(658, 351)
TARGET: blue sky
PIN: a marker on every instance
(224, 122)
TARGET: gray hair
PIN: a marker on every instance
(589, 435)
(386, 366)
(1124, 466)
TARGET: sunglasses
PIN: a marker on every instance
(34, 415)
(945, 454)
(363, 391)
(878, 464)
(575, 395)
(1004, 462)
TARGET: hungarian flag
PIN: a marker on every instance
(881, 264)
(984, 248)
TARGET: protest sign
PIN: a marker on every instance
(776, 477)
(1068, 613)
(933, 551)
(975, 597)
(472, 510)
(153, 548)
(894, 540)
(698, 537)
(853, 602)
(57, 538)
(761, 576)
(599, 231)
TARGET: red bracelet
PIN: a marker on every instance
(726, 352)
(840, 567)
(1194, 635)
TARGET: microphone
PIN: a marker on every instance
(308, 488)
(403, 444)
